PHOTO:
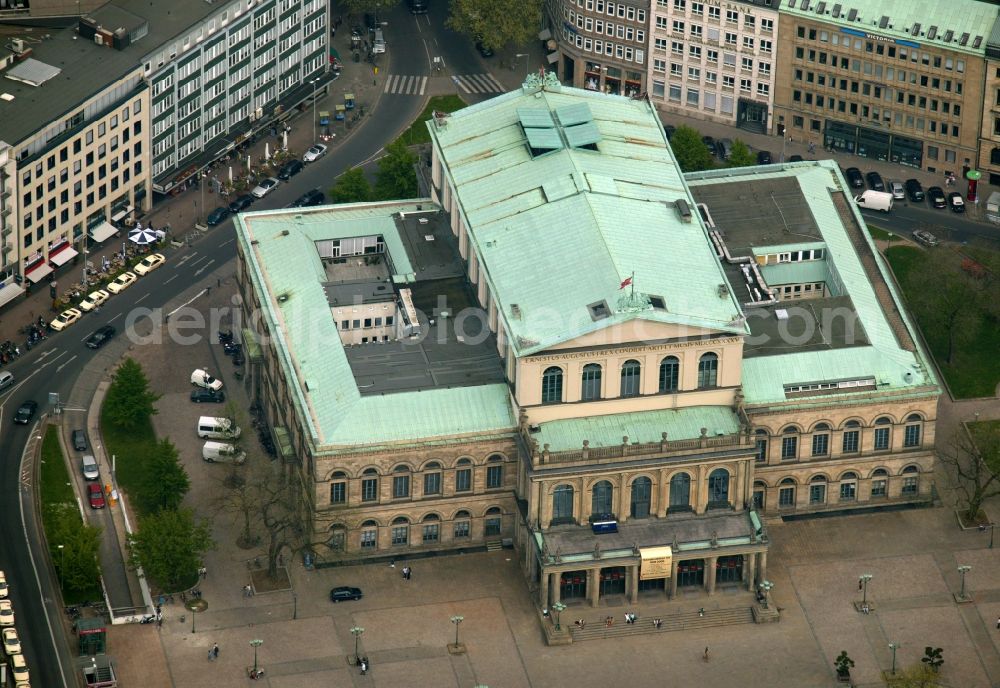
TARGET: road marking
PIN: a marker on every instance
(199, 260)
(170, 280)
(66, 363)
(478, 83)
(115, 318)
(200, 293)
(142, 297)
(227, 242)
(203, 267)
(185, 258)
(405, 85)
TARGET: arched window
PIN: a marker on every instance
(849, 486)
(369, 534)
(708, 370)
(880, 483)
(852, 437)
(552, 384)
(494, 472)
(591, 382)
(642, 490)
(601, 498)
(995, 156)
(338, 488)
(680, 492)
(401, 482)
(338, 537)
(562, 504)
(463, 475)
(911, 481)
(883, 433)
(817, 489)
(718, 488)
(493, 521)
(369, 485)
(821, 440)
(400, 530)
(432, 478)
(631, 376)
(431, 529)
(790, 443)
(786, 493)
(670, 371)
(463, 524)
(759, 494)
(760, 439)
(911, 432)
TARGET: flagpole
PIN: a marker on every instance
(632, 284)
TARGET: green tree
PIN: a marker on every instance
(690, 150)
(129, 400)
(497, 22)
(932, 658)
(396, 178)
(351, 187)
(169, 546)
(740, 155)
(166, 480)
(76, 562)
(972, 456)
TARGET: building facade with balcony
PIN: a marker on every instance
(625, 427)
(714, 60)
(885, 80)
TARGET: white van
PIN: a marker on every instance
(378, 45)
(875, 200)
(211, 428)
(222, 452)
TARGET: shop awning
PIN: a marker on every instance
(39, 272)
(102, 232)
(62, 255)
(9, 292)
(122, 213)
(656, 562)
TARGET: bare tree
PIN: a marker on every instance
(973, 454)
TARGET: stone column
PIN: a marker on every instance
(701, 490)
(632, 579)
(583, 503)
(662, 498)
(593, 587)
(535, 503)
(624, 498)
(545, 506)
(543, 590)
(710, 574)
(748, 571)
(672, 590)
(554, 588)
(761, 566)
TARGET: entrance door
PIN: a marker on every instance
(573, 584)
(691, 573)
(642, 488)
(729, 569)
(613, 581)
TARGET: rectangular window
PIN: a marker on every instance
(463, 480)
(761, 450)
(786, 497)
(431, 531)
(909, 486)
(400, 534)
(881, 439)
(369, 489)
(911, 436)
(491, 526)
(369, 538)
(338, 493)
(400, 486)
(821, 445)
(817, 494)
(432, 484)
(461, 529)
(878, 487)
(850, 441)
(494, 477)
(848, 491)
(789, 447)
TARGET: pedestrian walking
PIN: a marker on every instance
(859, 584)
(705, 656)
(215, 651)
(701, 611)
(203, 572)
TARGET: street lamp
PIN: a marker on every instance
(62, 568)
(765, 587)
(863, 579)
(295, 606)
(255, 644)
(558, 607)
(313, 82)
(457, 620)
(525, 56)
(201, 187)
(963, 570)
(357, 631)
(894, 647)
(992, 527)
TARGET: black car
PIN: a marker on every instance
(709, 142)
(764, 158)
(418, 6)
(26, 411)
(101, 336)
(875, 182)
(484, 50)
(795, 158)
(957, 202)
(241, 203)
(915, 191)
(290, 169)
(211, 396)
(309, 198)
(218, 215)
(79, 440)
(854, 178)
(937, 198)
(343, 592)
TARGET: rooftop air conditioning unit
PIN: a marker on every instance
(17, 45)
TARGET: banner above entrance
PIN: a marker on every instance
(656, 562)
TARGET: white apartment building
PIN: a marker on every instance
(714, 59)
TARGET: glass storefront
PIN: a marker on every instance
(592, 76)
(873, 143)
(729, 569)
(573, 584)
(613, 581)
(691, 573)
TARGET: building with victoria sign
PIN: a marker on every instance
(573, 349)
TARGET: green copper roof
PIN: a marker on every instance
(559, 230)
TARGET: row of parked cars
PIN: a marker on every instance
(910, 189)
(16, 664)
(213, 428)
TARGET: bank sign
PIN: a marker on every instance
(880, 39)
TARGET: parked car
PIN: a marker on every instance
(915, 191)
(211, 396)
(6, 613)
(484, 50)
(79, 440)
(65, 319)
(795, 158)
(12, 644)
(25, 412)
(149, 263)
(418, 6)
(935, 195)
(241, 203)
(875, 182)
(95, 495)
(222, 452)
(101, 336)
(122, 282)
(764, 158)
(922, 236)
(94, 300)
(19, 671)
(309, 198)
(201, 378)
(6, 379)
(956, 202)
(723, 148)
(265, 187)
(3, 585)
(897, 191)
(344, 592)
(218, 216)
(315, 152)
(854, 178)
(88, 467)
(290, 169)
(709, 142)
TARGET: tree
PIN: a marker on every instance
(351, 187)
(166, 480)
(740, 155)
(843, 664)
(169, 546)
(396, 178)
(495, 23)
(690, 150)
(973, 455)
(932, 658)
(129, 400)
(76, 562)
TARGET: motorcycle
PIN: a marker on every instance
(148, 619)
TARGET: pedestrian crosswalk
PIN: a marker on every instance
(401, 84)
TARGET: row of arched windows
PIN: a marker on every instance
(431, 481)
(630, 378)
(401, 531)
(820, 443)
(821, 490)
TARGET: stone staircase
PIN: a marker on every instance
(842, 202)
(494, 545)
(596, 628)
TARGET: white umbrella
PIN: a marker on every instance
(267, 151)
(142, 236)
